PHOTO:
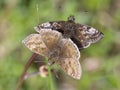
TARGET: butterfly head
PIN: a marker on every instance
(71, 18)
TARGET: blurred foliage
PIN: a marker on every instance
(17, 19)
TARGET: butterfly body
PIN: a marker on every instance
(82, 35)
(62, 51)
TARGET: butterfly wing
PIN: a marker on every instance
(44, 42)
(50, 38)
(55, 25)
(87, 35)
(35, 43)
(71, 66)
(83, 35)
(69, 49)
(69, 58)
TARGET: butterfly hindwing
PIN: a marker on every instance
(68, 58)
(71, 66)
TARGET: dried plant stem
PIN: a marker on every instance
(25, 70)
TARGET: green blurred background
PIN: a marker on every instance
(100, 62)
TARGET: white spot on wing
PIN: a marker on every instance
(43, 26)
(47, 24)
(89, 30)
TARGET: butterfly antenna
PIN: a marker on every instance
(29, 62)
(37, 11)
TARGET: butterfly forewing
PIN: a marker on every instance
(50, 38)
(35, 43)
(55, 25)
(87, 35)
(69, 49)
(44, 42)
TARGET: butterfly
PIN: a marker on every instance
(62, 51)
(81, 35)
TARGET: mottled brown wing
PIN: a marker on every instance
(68, 49)
(54, 25)
(68, 58)
(71, 66)
(35, 43)
(87, 35)
(50, 38)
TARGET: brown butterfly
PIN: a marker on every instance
(62, 51)
(81, 35)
